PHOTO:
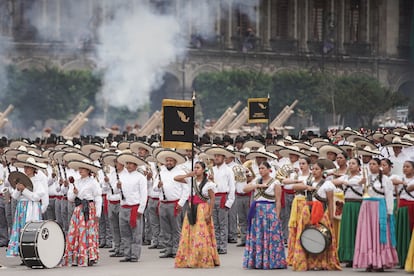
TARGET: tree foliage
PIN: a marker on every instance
(42, 94)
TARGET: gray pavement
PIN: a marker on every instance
(151, 265)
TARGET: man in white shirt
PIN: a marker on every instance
(173, 197)
(133, 188)
(225, 196)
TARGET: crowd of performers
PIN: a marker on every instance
(311, 204)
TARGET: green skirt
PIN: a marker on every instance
(349, 224)
(403, 234)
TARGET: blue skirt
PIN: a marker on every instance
(264, 241)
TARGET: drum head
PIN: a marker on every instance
(312, 240)
(50, 244)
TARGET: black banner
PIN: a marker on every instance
(258, 110)
(178, 124)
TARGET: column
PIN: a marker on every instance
(268, 25)
(341, 26)
(58, 7)
(229, 34)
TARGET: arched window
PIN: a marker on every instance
(406, 31)
(354, 20)
(317, 20)
(282, 19)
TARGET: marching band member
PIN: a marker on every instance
(4, 203)
(28, 206)
(352, 185)
(405, 212)
(133, 188)
(224, 178)
(232, 236)
(264, 242)
(320, 198)
(114, 201)
(82, 240)
(173, 197)
(376, 216)
(198, 246)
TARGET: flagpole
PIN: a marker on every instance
(268, 120)
(191, 209)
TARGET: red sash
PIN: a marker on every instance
(196, 199)
(222, 199)
(114, 201)
(282, 196)
(105, 204)
(175, 202)
(134, 214)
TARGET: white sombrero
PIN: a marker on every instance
(292, 150)
(323, 150)
(252, 144)
(312, 151)
(85, 164)
(397, 142)
(139, 144)
(123, 145)
(367, 151)
(354, 138)
(25, 155)
(89, 148)
(346, 132)
(279, 145)
(219, 150)
(125, 158)
(165, 153)
(261, 152)
(30, 162)
(363, 144)
(74, 156)
(377, 135)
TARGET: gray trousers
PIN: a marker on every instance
(170, 226)
(154, 220)
(233, 223)
(50, 211)
(58, 211)
(131, 237)
(242, 205)
(4, 231)
(147, 226)
(221, 222)
(113, 216)
(285, 214)
(105, 236)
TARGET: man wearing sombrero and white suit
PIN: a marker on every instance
(225, 196)
(133, 188)
(173, 197)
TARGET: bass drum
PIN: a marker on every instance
(42, 244)
(315, 239)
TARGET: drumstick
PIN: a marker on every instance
(117, 178)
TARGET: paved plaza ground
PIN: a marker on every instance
(151, 265)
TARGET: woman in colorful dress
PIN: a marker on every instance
(409, 262)
(198, 247)
(28, 203)
(298, 202)
(352, 185)
(405, 212)
(319, 195)
(82, 241)
(264, 241)
(375, 237)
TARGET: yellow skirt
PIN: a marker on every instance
(409, 262)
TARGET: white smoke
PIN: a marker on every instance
(135, 47)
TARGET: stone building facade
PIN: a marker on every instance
(345, 37)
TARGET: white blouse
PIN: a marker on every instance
(327, 186)
(88, 189)
(404, 194)
(270, 190)
(387, 188)
(352, 184)
(208, 186)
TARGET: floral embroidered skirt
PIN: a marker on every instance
(83, 238)
(198, 247)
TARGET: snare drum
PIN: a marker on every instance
(315, 239)
(42, 244)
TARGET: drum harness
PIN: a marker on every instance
(353, 190)
(261, 192)
(405, 186)
(310, 195)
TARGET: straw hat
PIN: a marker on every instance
(368, 151)
(162, 155)
(252, 144)
(30, 162)
(313, 151)
(85, 164)
(292, 150)
(123, 145)
(354, 138)
(125, 158)
(279, 145)
(72, 156)
(318, 142)
(377, 135)
(346, 132)
(323, 150)
(139, 144)
(87, 149)
(219, 150)
(261, 152)
(397, 142)
(25, 155)
(242, 152)
(363, 144)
